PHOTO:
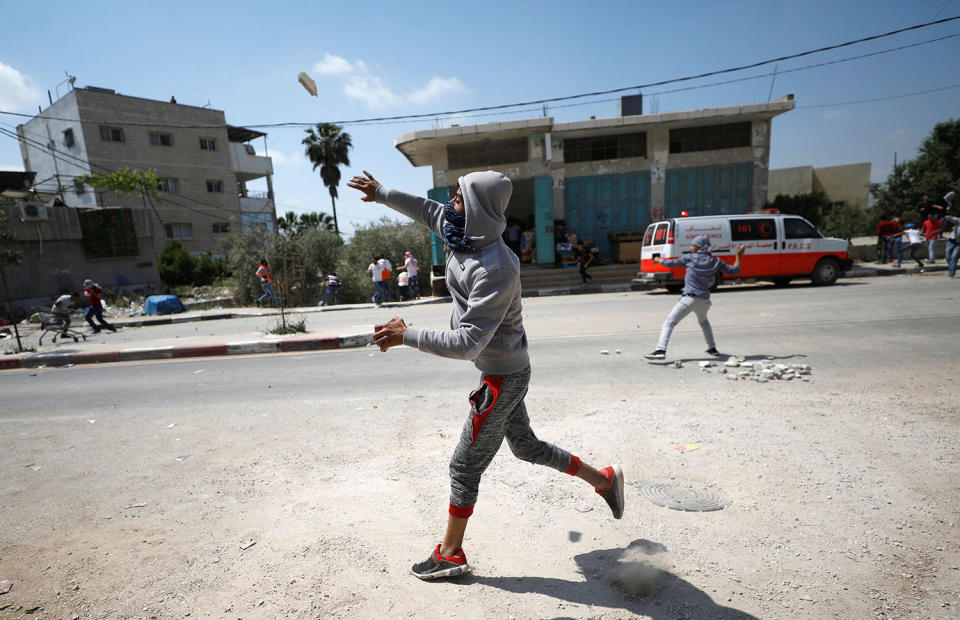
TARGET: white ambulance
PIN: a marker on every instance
(779, 248)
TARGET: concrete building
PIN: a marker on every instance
(604, 176)
(849, 183)
(203, 164)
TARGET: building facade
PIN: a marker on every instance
(848, 183)
(203, 164)
(599, 177)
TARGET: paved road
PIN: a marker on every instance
(842, 500)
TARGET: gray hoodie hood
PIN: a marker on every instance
(485, 199)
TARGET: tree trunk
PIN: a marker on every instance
(336, 225)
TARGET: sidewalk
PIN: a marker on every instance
(321, 339)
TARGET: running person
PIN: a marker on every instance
(483, 277)
(701, 267)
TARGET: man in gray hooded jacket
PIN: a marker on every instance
(486, 326)
(702, 267)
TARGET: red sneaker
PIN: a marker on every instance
(614, 492)
(437, 565)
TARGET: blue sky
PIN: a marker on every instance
(387, 58)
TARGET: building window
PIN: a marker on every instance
(68, 139)
(487, 153)
(168, 185)
(215, 187)
(710, 138)
(179, 231)
(208, 144)
(78, 187)
(111, 134)
(258, 222)
(596, 148)
(161, 139)
(221, 228)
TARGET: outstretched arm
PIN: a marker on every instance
(422, 210)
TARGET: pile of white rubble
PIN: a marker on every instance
(762, 371)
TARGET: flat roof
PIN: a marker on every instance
(417, 146)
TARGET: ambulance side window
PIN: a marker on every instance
(795, 228)
(753, 230)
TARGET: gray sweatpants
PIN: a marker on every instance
(497, 412)
(685, 306)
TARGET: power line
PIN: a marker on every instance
(550, 99)
(913, 94)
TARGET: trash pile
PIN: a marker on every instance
(762, 371)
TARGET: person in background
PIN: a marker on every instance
(514, 231)
(376, 273)
(894, 232)
(953, 244)
(94, 295)
(61, 309)
(931, 232)
(386, 270)
(403, 284)
(412, 267)
(331, 284)
(266, 282)
(914, 239)
(702, 267)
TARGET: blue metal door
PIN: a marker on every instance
(543, 218)
(596, 206)
(440, 194)
(711, 190)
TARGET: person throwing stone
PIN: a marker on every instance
(486, 327)
(702, 267)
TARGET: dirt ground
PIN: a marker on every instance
(843, 494)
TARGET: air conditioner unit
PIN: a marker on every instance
(32, 211)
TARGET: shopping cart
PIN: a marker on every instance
(58, 324)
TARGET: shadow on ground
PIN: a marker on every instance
(634, 578)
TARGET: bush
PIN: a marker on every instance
(175, 264)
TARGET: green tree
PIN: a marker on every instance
(175, 264)
(316, 221)
(934, 172)
(328, 148)
(287, 223)
(847, 221)
(813, 207)
(387, 237)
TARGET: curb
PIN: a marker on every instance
(288, 345)
(292, 311)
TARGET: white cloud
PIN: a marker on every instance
(16, 90)
(336, 65)
(436, 88)
(371, 91)
(361, 83)
(283, 159)
(893, 135)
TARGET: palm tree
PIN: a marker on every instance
(315, 221)
(327, 148)
(287, 223)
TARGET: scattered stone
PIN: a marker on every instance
(140, 505)
(618, 351)
(604, 352)
(678, 364)
(247, 544)
(732, 362)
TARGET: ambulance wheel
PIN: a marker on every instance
(717, 281)
(826, 272)
(674, 288)
(781, 282)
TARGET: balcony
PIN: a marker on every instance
(247, 164)
(255, 204)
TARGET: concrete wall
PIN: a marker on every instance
(54, 259)
(850, 183)
(59, 161)
(790, 182)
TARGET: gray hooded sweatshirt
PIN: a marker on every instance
(486, 324)
(701, 268)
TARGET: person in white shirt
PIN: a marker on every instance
(377, 273)
(403, 284)
(412, 267)
(913, 241)
(61, 310)
(385, 269)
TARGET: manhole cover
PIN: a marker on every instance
(686, 498)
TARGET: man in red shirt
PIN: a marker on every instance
(931, 231)
(94, 295)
